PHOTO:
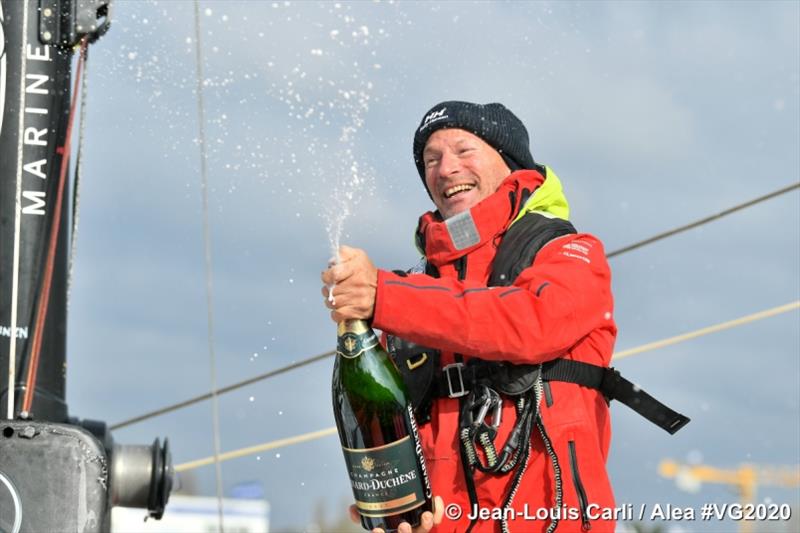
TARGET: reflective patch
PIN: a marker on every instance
(462, 230)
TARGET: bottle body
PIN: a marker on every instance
(378, 432)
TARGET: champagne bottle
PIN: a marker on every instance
(378, 432)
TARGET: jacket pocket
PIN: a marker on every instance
(579, 490)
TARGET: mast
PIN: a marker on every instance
(56, 472)
(35, 73)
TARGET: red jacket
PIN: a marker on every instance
(561, 306)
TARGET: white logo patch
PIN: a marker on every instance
(434, 116)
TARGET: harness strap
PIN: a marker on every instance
(457, 380)
(615, 387)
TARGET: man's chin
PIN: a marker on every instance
(452, 208)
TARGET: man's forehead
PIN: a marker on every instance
(454, 135)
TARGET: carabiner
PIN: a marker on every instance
(497, 414)
(484, 399)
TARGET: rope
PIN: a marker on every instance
(618, 355)
(705, 331)
(223, 390)
(702, 221)
(44, 295)
(280, 443)
(207, 246)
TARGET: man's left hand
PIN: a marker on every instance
(356, 281)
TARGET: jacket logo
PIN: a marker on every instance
(433, 116)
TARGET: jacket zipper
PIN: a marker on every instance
(576, 478)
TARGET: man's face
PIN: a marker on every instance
(461, 170)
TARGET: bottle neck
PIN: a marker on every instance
(355, 326)
(354, 338)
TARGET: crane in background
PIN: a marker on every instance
(745, 479)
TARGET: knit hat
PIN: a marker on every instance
(494, 123)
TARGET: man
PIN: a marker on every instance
(509, 290)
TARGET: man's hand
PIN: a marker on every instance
(354, 280)
(426, 523)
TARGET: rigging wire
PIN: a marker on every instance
(702, 221)
(44, 294)
(314, 435)
(314, 359)
(223, 390)
(207, 246)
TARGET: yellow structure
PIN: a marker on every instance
(745, 479)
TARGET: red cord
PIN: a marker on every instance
(44, 295)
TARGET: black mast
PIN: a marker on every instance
(57, 473)
(35, 92)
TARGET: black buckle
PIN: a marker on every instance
(462, 390)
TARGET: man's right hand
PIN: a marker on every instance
(428, 520)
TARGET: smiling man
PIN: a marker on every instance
(493, 332)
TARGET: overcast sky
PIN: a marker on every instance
(652, 114)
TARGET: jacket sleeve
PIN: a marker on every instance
(553, 304)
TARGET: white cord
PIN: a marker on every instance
(12, 352)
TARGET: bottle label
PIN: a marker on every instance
(385, 479)
(352, 344)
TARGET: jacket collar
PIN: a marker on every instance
(444, 241)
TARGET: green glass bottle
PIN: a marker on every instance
(378, 432)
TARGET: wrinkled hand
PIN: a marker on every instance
(426, 523)
(354, 280)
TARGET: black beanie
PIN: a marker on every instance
(494, 123)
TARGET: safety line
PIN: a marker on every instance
(12, 337)
(305, 437)
(702, 221)
(223, 390)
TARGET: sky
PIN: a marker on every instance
(652, 114)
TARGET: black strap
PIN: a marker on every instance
(615, 387)
(607, 380)
(521, 243)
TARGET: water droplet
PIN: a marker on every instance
(277, 456)
(208, 12)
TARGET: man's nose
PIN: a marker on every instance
(449, 164)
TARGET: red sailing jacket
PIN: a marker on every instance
(560, 306)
